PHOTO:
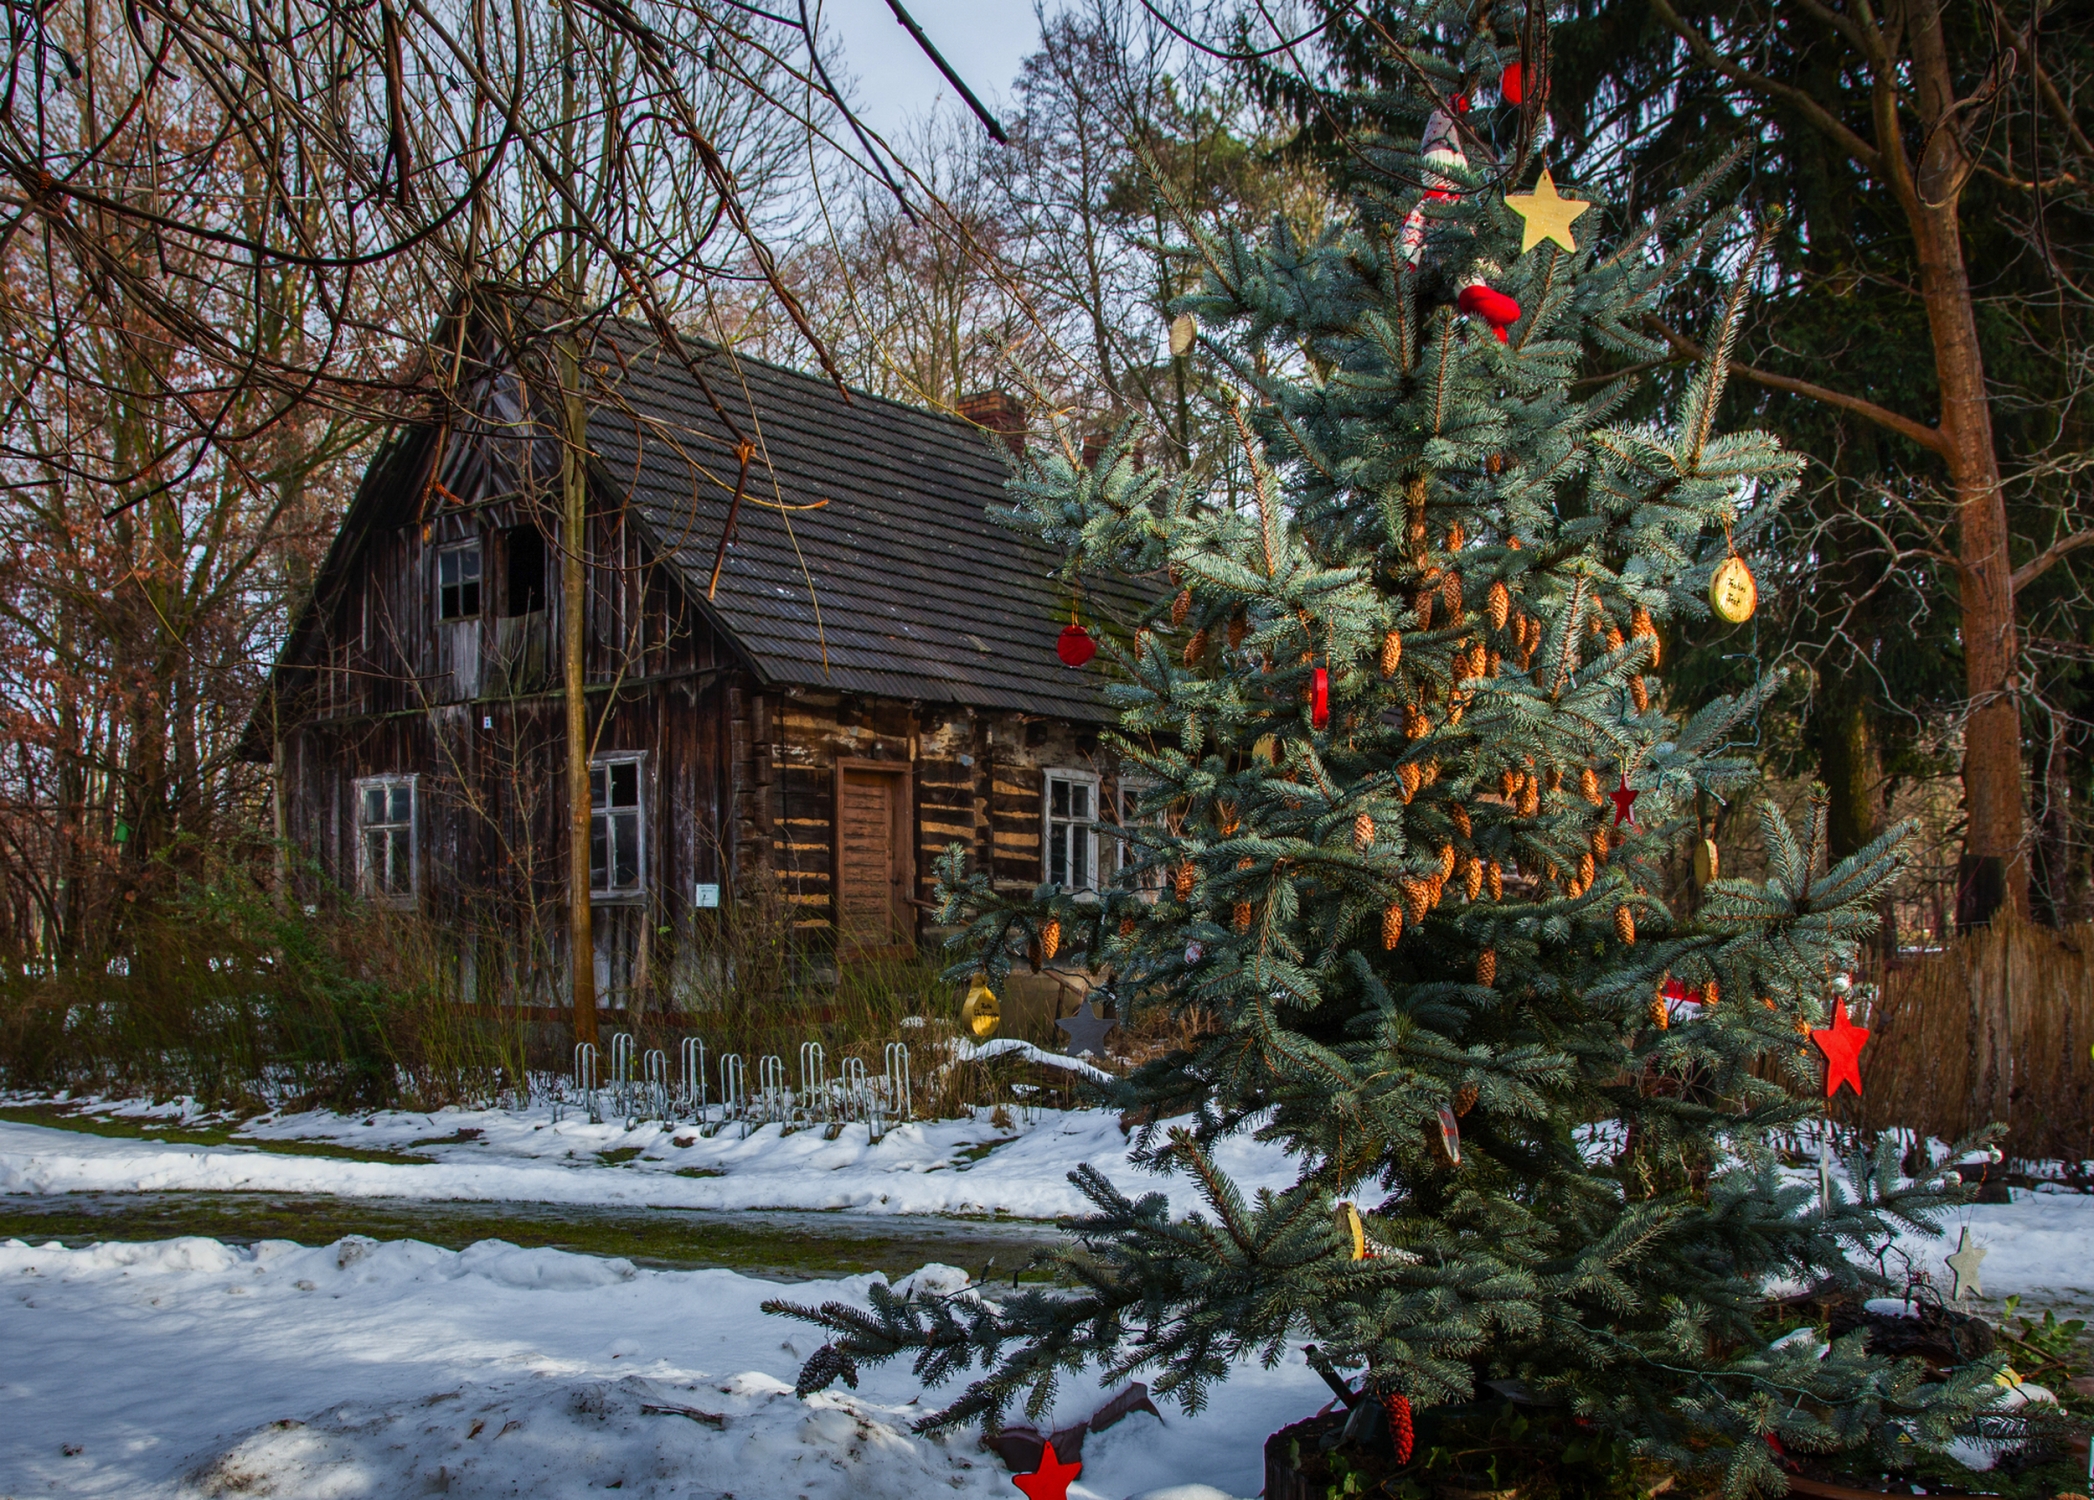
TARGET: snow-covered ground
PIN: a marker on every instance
(365, 1369)
(189, 1367)
(925, 1167)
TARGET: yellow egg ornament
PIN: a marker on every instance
(979, 1012)
(1732, 593)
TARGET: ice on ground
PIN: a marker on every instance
(194, 1368)
(979, 1166)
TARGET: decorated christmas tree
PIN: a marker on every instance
(1412, 839)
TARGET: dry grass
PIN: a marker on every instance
(1928, 1066)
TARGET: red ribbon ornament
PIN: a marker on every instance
(1320, 699)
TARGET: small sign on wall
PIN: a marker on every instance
(705, 895)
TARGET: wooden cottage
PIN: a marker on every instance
(810, 672)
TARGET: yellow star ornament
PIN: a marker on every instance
(1547, 216)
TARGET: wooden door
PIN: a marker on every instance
(873, 867)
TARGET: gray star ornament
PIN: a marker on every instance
(1965, 1264)
(1086, 1030)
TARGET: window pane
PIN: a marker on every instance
(1058, 798)
(399, 878)
(626, 845)
(374, 805)
(1079, 856)
(1079, 800)
(625, 783)
(1057, 853)
(403, 804)
(598, 777)
(469, 562)
(447, 568)
(469, 600)
(599, 855)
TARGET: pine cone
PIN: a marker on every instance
(1438, 889)
(1509, 783)
(1240, 916)
(1196, 647)
(1710, 994)
(1486, 974)
(1417, 898)
(1625, 924)
(1464, 1099)
(1409, 774)
(1225, 819)
(1181, 607)
(1127, 926)
(1446, 860)
(1181, 881)
(1363, 833)
(1589, 786)
(1450, 593)
(1416, 723)
(1455, 537)
(1641, 624)
(1600, 844)
(1498, 604)
(1462, 825)
(1640, 694)
(1456, 709)
(1585, 871)
(1239, 627)
(1421, 603)
(1050, 939)
(1391, 653)
(1392, 924)
(1660, 1017)
(1472, 879)
(1494, 877)
(1432, 770)
(1530, 797)
(1553, 780)
(1491, 663)
(1614, 637)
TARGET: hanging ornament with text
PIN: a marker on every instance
(1732, 592)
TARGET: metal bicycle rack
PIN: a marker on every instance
(814, 1080)
(896, 1072)
(585, 1080)
(734, 1091)
(622, 1072)
(691, 1085)
(774, 1101)
(654, 1067)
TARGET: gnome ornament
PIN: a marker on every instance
(1441, 147)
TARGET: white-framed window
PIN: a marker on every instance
(385, 837)
(617, 826)
(1071, 830)
(458, 581)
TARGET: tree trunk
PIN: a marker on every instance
(1994, 867)
(574, 591)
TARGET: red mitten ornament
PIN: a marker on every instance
(1494, 308)
(1320, 699)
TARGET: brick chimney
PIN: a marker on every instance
(999, 412)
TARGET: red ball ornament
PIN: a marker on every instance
(1075, 646)
(1320, 699)
(1512, 83)
(1493, 307)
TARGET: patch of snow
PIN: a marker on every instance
(360, 1369)
(922, 1167)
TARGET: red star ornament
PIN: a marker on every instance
(1841, 1043)
(1051, 1480)
(1624, 799)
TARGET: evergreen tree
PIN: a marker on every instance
(1381, 708)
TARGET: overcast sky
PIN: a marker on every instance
(984, 40)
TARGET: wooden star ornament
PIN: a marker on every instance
(1546, 214)
(1964, 1263)
(1841, 1042)
(1051, 1480)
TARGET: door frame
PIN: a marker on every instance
(903, 772)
